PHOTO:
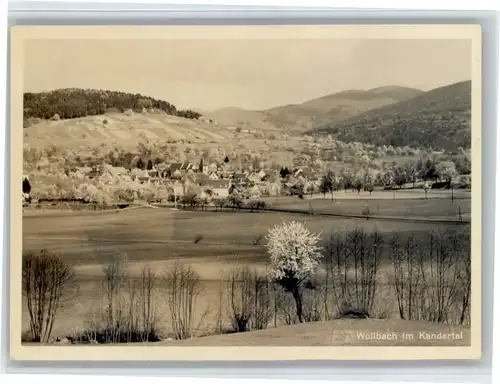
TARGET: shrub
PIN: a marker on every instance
(250, 300)
(261, 309)
(284, 306)
(313, 306)
(220, 203)
(235, 201)
(257, 239)
(188, 114)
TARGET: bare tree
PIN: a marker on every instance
(115, 282)
(354, 260)
(313, 303)
(407, 279)
(465, 276)
(47, 281)
(284, 306)
(432, 276)
(183, 290)
(336, 260)
(442, 274)
(147, 300)
(127, 312)
(249, 297)
(241, 301)
(220, 311)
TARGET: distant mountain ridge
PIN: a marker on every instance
(397, 92)
(329, 108)
(439, 118)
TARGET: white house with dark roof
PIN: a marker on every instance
(213, 176)
(175, 170)
(178, 170)
(141, 176)
(220, 188)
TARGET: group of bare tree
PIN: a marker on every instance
(432, 276)
(427, 275)
(424, 276)
(127, 309)
(352, 262)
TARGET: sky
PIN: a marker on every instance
(250, 74)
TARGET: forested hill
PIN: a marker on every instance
(71, 103)
(440, 118)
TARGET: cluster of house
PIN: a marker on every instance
(220, 180)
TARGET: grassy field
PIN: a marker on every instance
(158, 237)
(411, 204)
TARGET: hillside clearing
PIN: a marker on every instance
(122, 129)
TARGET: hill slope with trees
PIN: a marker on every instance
(440, 119)
(71, 103)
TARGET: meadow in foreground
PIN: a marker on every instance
(224, 256)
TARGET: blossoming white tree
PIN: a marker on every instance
(295, 254)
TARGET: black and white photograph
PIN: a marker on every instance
(260, 186)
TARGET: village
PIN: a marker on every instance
(195, 183)
(174, 182)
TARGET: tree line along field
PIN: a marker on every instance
(213, 244)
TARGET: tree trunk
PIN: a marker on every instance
(298, 302)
